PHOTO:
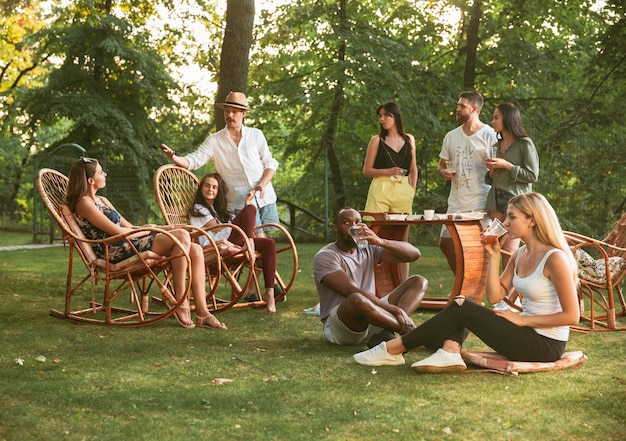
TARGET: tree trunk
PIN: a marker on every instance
(328, 144)
(234, 59)
(328, 137)
(469, 75)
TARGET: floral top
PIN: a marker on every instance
(118, 251)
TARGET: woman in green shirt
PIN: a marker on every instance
(513, 168)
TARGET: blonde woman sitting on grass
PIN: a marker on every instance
(543, 271)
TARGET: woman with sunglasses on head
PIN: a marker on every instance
(99, 219)
(543, 271)
(209, 208)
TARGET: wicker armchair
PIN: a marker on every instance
(138, 277)
(174, 189)
(602, 268)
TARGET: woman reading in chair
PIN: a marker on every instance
(543, 271)
(209, 208)
(98, 220)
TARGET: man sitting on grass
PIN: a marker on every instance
(344, 278)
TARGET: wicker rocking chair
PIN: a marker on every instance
(174, 189)
(138, 277)
(602, 268)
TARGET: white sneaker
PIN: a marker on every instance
(378, 356)
(440, 361)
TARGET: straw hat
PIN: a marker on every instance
(234, 99)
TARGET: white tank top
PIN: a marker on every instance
(540, 296)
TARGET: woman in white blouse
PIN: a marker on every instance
(209, 208)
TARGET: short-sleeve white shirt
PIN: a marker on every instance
(468, 188)
(201, 221)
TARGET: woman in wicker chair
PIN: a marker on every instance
(209, 209)
(543, 271)
(99, 219)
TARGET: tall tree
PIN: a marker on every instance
(332, 63)
(235, 57)
(107, 86)
(20, 69)
(530, 53)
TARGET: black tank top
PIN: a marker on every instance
(386, 157)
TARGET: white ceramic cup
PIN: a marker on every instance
(429, 214)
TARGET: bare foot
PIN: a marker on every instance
(209, 321)
(268, 298)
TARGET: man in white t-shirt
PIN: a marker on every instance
(466, 147)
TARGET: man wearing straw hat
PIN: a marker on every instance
(241, 155)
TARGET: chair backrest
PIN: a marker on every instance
(174, 189)
(617, 237)
(71, 223)
(52, 186)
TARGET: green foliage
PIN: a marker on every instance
(561, 65)
(101, 78)
(107, 86)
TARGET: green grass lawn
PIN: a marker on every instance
(91, 382)
(15, 238)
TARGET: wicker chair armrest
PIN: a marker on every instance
(579, 241)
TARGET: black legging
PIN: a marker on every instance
(518, 343)
(246, 219)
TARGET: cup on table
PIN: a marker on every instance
(493, 231)
(429, 214)
(354, 233)
(398, 178)
(450, 167)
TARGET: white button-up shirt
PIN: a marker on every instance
(241, 166)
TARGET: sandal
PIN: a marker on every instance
(181, 320)
(213, 324)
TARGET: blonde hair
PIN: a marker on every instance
(547, 226)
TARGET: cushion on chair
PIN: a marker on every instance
(595, 270)
(496, 362)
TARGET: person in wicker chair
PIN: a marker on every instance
(543, 271)
(99, 219)
(209, 208)
(241, 155)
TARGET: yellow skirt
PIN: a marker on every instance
(388, 196)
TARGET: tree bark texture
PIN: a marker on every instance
(235, 56)
(328, 137)
(469, 75)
